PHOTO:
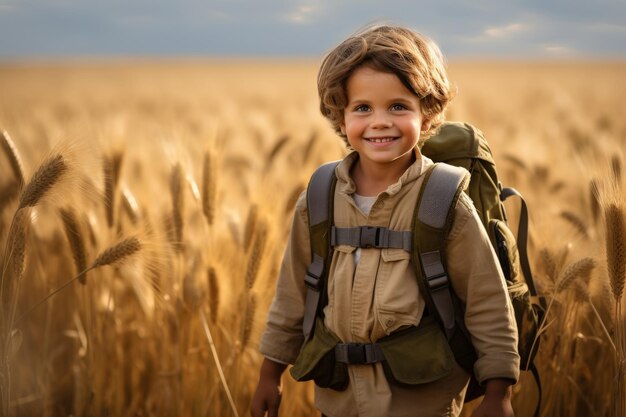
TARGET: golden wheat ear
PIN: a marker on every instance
(111, 166)
(117, 253)
(14, 256)
(75, 238)
(616, 248)
(580, 268)
(248, 320)
(10, 150)
(214, 293)
(177, 179)
(256, 254)
(42, 181)
(251, 223)
(209, 191)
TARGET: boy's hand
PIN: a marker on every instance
(268, 392)
(497, 400)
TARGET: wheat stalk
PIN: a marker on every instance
(192, 293)
(616, 248)
(214, 293)
(580, 268)
(256, 255)
(548, 263)
(278, 146)
(515, 160)
(114, 254)
(118, 252)
(216, 359)
(209, 192)
(178, 202)
(616, 266)
(131, 208)
(42, 181)
(14, 255)
(74, 235)
(575, 221)
(616, 169)
(112, 165)
(248, 320)
(594, 200)
(13, 156)
(250, 226)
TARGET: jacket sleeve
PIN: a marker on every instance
(477, 279)
(282, 337)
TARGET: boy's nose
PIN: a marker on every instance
(380, 122)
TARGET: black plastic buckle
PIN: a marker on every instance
(438, 282)
(356, 353)
(312, 281)
(369, 237)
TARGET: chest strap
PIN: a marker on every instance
(359, 353)
(371, 237)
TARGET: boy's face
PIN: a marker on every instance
(383, 119)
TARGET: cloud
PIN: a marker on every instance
(302, 14)
(503, 31)
(493, 34)
(558, 50)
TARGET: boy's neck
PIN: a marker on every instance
(372, 179)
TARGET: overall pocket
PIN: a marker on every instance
(417, 355)
(316, 360)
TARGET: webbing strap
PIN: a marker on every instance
(359, 353)
(319, 211)
(439, 287)
(439, 194)
(371, 237)
(313, 283)
(522, 241)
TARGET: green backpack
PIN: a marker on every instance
(455, 146)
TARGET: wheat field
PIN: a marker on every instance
(144, 208)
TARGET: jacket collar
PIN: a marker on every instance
(346, 185)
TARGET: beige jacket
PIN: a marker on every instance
(380, 294)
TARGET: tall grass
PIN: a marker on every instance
(177, 278)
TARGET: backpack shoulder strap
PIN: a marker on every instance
(522, 242)
(320, 193)
(434, 213)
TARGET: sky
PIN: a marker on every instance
(463, 28)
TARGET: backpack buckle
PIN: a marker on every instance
(358, 353)
(313, 276)
(369, 237)
(313, 282)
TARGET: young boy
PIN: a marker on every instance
(385, 90)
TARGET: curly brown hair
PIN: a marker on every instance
(412, 57)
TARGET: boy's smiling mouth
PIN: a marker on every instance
(381, 140)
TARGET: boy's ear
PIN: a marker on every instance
(425, 125)
(342, 128)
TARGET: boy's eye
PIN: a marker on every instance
(398, 107)
(361, 107)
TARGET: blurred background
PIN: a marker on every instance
(153, 151)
